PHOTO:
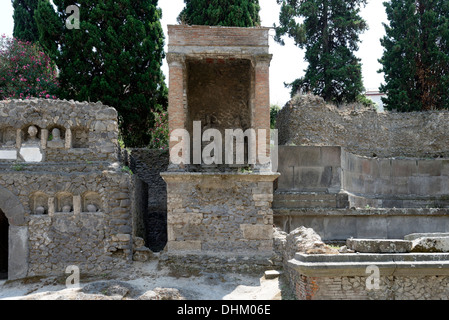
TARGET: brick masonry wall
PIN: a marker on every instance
(184, 35)
(226, 46)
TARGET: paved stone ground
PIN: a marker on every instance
(146, 281)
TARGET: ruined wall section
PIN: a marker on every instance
(147, 165)
(88, 131)
(76, 197)
(308, 121)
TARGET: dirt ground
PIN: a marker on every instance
(147, 281)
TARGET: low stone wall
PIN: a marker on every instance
(307, 120)
(399, 183)
(349, 277)
(384, 223)
(189, 262)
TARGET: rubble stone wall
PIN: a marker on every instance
(354, 288)
(73, 205)
(219, 212)
(308, 121)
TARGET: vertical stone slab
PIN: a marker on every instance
(77, 205)
(19, 138)
(44, 138)
(51, 206)
(18, 252)
(68, 138)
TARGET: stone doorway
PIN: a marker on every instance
(4, 233)
(14, 235)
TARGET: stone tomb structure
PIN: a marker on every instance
(64, 199)
(219, 77)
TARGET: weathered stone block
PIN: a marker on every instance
(188, 245)
(379, 245)
(257, 232)
(121, 237)
(184, 218)
(431, 244)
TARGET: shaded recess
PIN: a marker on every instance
(4, 230)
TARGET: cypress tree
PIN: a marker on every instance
(114, 57)
(25, 27)
(329, 32)
(49, 28)
(416, 55)
(227, 13)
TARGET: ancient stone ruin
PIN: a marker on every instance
(352, 190)
(219, 80)
(375, 184)
(63, 195)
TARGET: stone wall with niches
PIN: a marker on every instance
(72, 198)
(66, 131)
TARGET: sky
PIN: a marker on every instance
(288, 61)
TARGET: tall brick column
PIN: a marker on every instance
(261, 113)
(177, 109)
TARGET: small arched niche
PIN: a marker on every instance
(64, 202)
(56, 137)
(31, 135)
(91, 202)
(8, 137)
(39, 203)
(80, 137)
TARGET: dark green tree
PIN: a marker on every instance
(329, 32)
(25, 27)
(49, 28)
(416, 55)
(114, 57)
(227, 13)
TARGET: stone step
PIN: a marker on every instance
(304, 196)
(304, 204)
(309, 200)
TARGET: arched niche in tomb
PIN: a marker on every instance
(80, 137)
(56, 137)
(64, 202)
(8, 144)
(31, 145)
(17, 231)
(91, 202)
(8, 137)
(39, 203)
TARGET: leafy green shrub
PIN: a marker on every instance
(159, 133)
(25, 71)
